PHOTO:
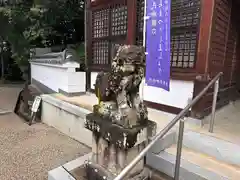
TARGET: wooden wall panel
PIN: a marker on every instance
(224, 48)
(220, 28)
(223, 56)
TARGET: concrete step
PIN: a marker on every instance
(219, 149)
(167, 141)
(194, 165)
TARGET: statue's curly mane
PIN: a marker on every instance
(130, 54)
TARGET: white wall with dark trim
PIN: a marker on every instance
(59, 76)
(180, 93)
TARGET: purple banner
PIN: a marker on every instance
(158, 43)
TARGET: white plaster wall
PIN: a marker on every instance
(51, 76)
(93, 79)
(58, 77)
(180, 93)
(76, 82)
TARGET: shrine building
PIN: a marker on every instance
(204, 41)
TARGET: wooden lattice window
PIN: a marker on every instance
(184, 31)
(119, 20)
(184, 28)
(185, 13)
(109, 27)
(101, 23)
(140, 22)
(183, 50)
(100, 53)
(100, 30)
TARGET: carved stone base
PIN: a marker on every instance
(123, 138)
(114, 147)
(115, 159)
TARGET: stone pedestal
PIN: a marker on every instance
(114, 146)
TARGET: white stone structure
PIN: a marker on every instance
(56, 72)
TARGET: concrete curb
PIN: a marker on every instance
(70, 108)
(221, 150)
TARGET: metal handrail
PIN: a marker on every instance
(172, 123)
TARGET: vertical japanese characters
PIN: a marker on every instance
(158, 43)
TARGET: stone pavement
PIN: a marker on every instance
(226, 124)
(29, 152)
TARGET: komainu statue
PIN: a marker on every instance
(118, 90)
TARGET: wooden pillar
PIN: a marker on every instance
(132, 21)
(88, 42)
(204, 39)
(202, 63)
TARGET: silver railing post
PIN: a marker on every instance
(179, 150)
(216, 89)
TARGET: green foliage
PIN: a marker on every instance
(81, 50)
(31, 23)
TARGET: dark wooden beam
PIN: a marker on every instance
(88, 43)
(204, 40)
(226, 37)
(132, 21)
(205, 28)
(162, 107)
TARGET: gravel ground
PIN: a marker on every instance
(28, 153)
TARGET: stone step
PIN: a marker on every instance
(167, 141)
(194, 165)
(217, 148)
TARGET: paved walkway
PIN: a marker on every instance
(227, 123)
(28, 153)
